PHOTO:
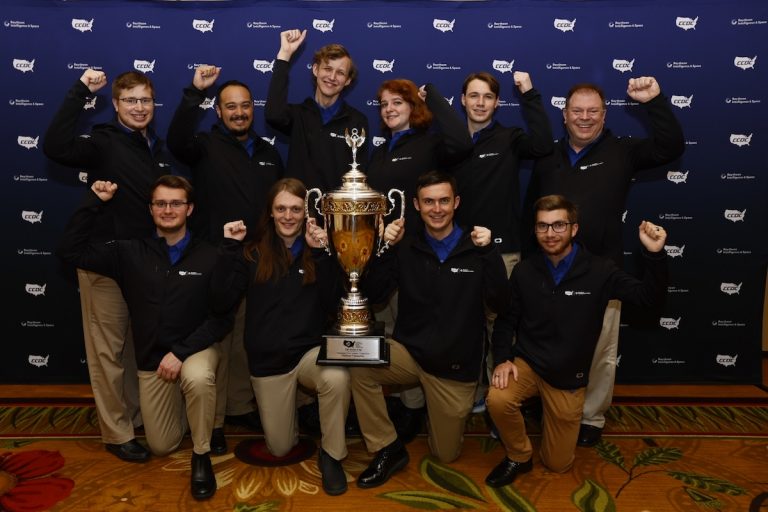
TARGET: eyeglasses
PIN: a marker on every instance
(162, 205)
(558, 227)
(134, 101)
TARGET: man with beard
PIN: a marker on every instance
(318, 154)
(595, 168)
(233, 169)
(555, 315)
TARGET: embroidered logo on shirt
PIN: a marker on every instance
(570, 293)
(399, 158)
(486, 155)
(189, 273)
(457, 270)
(585, 167)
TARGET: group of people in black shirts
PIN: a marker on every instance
(196, 301)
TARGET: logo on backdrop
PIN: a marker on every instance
(27, 142)
(203, 25)
(726, 360)
(739, 139)
(265, 66)
(36, 324)
(558, 102)
(323, 25)
(736, 176)
(670, 323)
(624, 217)
(745, 62)
(90, 103)
(741, 100)
(731, 251)
(503, 25)
(441, 66)
(565, 25)
(384, 66)
(503, 66)
(561, 66)
(207, 104)
(735, 215)
(378, 141)
(666, 360)
(141, 25)
(24, 65)
(730, 288)
(382, 24)
(674, 251)
(443, 25)
(38, 360)
(19, 24)
(82, 25)
(682, 64)
(35, 289)
(144, 66)
(623, 65)
(686, 23)
(728, 323)
(624, 24)
(674, 216)
(682, 101)
(32, 217)
(677, 176)
(747, 21)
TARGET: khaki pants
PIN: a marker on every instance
(276, 399)
(110, 355)
(189, 401)
(602, 374)
(234, 395)
(449, 402)
(560, 423)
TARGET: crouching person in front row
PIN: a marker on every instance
(445, 274)
(292, 287)
(166, 281)
(558, 298)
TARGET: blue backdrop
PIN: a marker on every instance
(706, 54)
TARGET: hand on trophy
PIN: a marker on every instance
(481, 236)
(316, 237)
(394, 231)
(235, 230)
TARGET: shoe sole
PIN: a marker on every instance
(129, 459)
(390, 473)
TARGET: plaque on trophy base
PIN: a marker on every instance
(355, 349)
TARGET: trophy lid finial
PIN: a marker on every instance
(354, 141)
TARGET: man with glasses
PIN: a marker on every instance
(594, 168)
(176, 321)
(126, 151)
(233, 168)
(555, 315)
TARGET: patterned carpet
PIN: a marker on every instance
(653, 458)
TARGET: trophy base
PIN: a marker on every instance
(340, 349)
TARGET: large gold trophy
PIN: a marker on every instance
(353, 214)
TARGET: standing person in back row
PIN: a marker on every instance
(318, 154)
(125, 150)
(594, 168)
(233, 169)
(489, 181)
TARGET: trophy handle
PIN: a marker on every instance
(385, 246)
(317, 208)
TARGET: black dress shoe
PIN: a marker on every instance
(387, 462)
(334, 478)
(131, 451)
(218, 442)
(203, 481)
(506, 472)
(249, 420)
(408, 423)
(589, 435)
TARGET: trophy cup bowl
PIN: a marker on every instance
(352, 215)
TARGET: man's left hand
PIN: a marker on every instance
(481, 236)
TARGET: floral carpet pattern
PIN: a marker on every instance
(651, 459)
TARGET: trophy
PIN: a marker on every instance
(353, 214)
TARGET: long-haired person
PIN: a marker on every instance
(291, 286)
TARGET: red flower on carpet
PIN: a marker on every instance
(24, 486)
